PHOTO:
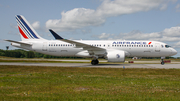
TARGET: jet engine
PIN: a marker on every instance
(116, 56)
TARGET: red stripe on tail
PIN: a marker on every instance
(22, 33)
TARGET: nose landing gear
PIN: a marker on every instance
(162, 61)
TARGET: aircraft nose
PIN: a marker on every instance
(173, 52)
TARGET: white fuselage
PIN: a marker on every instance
(131, 48)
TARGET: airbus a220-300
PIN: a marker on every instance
(112, 50)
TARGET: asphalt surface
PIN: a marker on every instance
(159, 66)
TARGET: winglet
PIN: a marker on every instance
(55, 34)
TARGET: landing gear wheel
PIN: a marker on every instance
(97, 62)
(162, 62)
(94, 62)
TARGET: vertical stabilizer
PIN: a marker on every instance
(26, 30)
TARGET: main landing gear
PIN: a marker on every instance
(94, 62)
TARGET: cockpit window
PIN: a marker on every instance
(167, 46)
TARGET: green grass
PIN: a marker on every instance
(83, 84)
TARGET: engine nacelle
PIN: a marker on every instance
(116, 56)
(83, 54)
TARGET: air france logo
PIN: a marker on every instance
(132, 42)
(149, 43)
(118, 56)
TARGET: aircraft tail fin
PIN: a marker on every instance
(26, 30)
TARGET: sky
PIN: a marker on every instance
(154, 20)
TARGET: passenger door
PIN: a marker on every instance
(157, 47)
(44, 48)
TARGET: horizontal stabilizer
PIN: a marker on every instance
(55, 34)
(19, 42)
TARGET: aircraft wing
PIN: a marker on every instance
(78, 44)
(19, 42)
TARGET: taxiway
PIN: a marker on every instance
(159, 66)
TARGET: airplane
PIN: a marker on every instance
(111, 50)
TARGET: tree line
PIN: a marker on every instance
(19, 53)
